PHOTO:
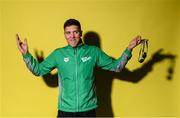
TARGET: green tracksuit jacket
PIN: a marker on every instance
(76, 68)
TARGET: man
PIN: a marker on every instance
(76, 63)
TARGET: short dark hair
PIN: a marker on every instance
(70, 22)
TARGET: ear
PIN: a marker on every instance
(64, 33)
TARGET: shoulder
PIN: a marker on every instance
(60, 49)
(57, 51)
(94, 50)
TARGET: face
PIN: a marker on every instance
(73, 35)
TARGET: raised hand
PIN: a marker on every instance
(135, 42)
(23, 47)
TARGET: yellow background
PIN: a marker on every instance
(116, 22)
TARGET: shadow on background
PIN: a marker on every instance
(105, 78)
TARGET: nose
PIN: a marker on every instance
(72, 35)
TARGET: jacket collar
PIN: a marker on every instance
(81, 44)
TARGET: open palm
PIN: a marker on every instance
(23, 47)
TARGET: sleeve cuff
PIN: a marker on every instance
(128, 52)
(26, 55)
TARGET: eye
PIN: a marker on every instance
(68, 32)
(76, 32)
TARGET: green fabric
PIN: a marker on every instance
(76, 73)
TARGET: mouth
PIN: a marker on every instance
(72, 42)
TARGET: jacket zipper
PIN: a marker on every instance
(77, 89)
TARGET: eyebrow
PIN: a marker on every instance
(73, 31)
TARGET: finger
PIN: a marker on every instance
(17, 37)
(25, 41)
(18, 41)
(138, 37)
(139, 41)
(20, 48)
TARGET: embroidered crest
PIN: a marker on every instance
(66, 59)
(84, 59)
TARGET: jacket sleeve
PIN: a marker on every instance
(42, 68)
(107, 63)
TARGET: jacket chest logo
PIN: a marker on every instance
(84, 59)
(66, 59)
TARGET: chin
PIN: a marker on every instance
(73, 46)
